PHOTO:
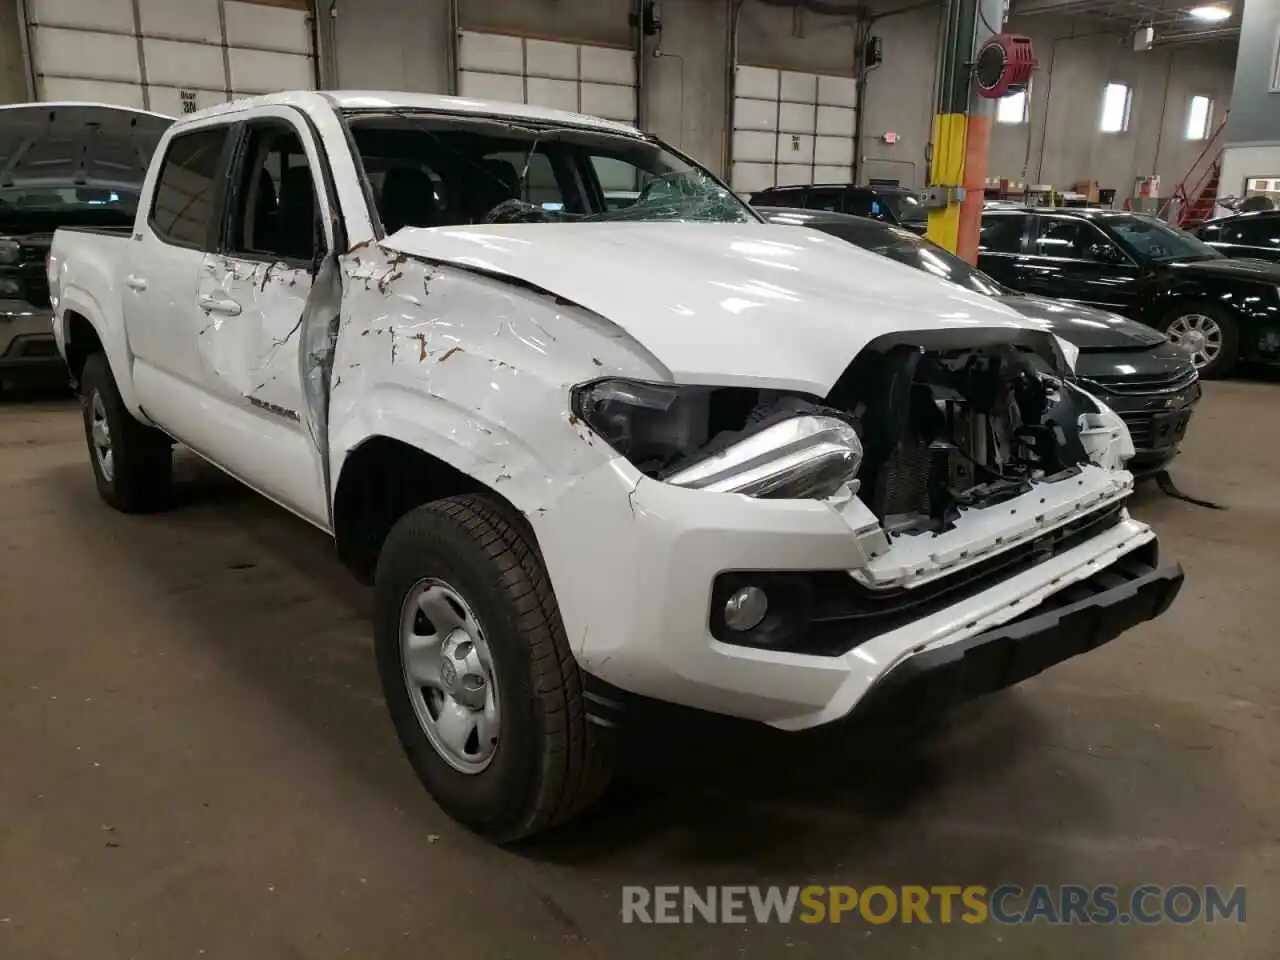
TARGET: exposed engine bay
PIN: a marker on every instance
(957, 428)
(940, 427)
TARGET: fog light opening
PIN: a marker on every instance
(745, 609)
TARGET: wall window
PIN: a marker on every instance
(1275, 65)
(1199, 116)
(1013, 108)
(1115, 108)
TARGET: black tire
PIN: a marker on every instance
(1224, 363)
(551, 761)
(141, 474)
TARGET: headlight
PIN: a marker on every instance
(801, 457)
(723, 439)
(9, 288)
(10, 252)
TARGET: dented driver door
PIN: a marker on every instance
(252, 295)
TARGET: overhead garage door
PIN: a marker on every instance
(170, 56)
(791, 128)
(583, 78)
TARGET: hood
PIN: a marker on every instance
(81, 144)
(717, 303)
(1088, 328)
(1157, 365)
(1237, 268)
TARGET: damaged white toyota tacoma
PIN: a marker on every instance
(595, 432)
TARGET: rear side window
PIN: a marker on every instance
(1002, 233)
(825, 198)
(182, 210)
(1252, 232)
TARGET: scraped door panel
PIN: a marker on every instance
(249, 348)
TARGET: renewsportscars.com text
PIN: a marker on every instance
(1005, 904)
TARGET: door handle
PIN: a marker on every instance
(218, 305)
(134, 282)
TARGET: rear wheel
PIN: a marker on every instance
(485, 695)
(132, 463)
(1209, 334)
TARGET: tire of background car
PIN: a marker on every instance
(134, 470)
(1225, 360)
(549, 760)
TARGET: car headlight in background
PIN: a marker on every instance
(10, 287)
(10, 251)
(724, 440)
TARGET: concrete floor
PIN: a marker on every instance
(195, 761)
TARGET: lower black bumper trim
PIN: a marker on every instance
(1079, 618)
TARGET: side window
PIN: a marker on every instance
(1002, 233)
(1210, 233)
(182, 209)
(275, 213)
(1254, 232)
(825, 198)
(863, 204)
(1070, 238)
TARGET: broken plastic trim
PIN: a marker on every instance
(318, 339)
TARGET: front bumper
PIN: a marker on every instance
(633, 563)
(1081, 618)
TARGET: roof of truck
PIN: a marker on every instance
(400, 100)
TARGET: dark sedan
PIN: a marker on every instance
(1254, 236)
(1149, 381)
(1222, 310)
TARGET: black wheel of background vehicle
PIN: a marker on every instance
(132, 463)
(1209, 334)
(484, 692)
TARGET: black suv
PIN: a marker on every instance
(896, 205)
(1221, 310)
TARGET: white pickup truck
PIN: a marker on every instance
(588, 451)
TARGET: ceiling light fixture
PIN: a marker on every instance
(1210, 14)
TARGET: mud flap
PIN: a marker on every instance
(318, 333)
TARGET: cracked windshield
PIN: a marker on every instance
(426, 171)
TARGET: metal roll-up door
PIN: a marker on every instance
(581, 77)
(791, 128)
(170, 56)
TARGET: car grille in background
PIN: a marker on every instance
(1140, 429)
(1138, 385)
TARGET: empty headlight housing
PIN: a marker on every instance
(725, 440)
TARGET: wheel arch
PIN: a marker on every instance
(381, 480)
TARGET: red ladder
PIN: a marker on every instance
(1196, 205)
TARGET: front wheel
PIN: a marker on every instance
(483, 690)
(1209, 334)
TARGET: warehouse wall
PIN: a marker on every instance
(13, 80)
(391, 44)
(1256, 116)
(1066, 97)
